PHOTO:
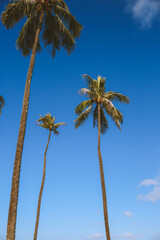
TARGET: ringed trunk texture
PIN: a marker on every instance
(12, 214)
(41, 190)
(105, 211)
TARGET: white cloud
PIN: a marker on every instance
(153, 196)
(128, 214)
(95, 236)
(128, 236)
(97, 224)
(114, 236)
(145, 11)
(148, 182)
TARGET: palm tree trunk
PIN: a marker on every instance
(12, 215)
(102, 178)
(41, 190)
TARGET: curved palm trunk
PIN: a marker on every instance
(41, 190)
(102, 178)
(12, 215)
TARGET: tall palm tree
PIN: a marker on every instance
(1, 103)
(47, 123)
(97, 104)
(58, 28)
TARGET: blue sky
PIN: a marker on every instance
(120, 41)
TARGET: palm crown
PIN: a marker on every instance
(59, 26)
(48, 122)
(96, 95)
(1, 103)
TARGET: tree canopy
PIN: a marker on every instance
(96, 94)
(48, 122)
(59, 26)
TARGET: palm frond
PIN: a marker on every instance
(67, 40)
(15, 11)
(103, 120)
(1, 103)
(40, 119)
(55, 131)
(95, 116)
(115, 114)
(50, 34)
(91, 83)
(96, 93)
(27, 34)
(101, 85)
(68, 19)
(82, 117)
(82, 106)
(117, 97)
(87, 92)
(1, 100)
(59, 124)
(87, 78)
(48, 122)
(56, 35)
(60, 3)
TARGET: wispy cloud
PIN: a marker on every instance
(128, 214)
(97, 224)
(95, 236)
(148, 182)
(128, 236)
(145, 11)
(152, 196)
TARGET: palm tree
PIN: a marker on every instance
(59, 29)
(47, 123)
(97, 104)
(1, 103)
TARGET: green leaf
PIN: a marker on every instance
(91, 83)
(57, 125)
(56, 35)
(103, 120)
(96, 93)
(82, 106)
(117, 97)
(59, 27)
(115, 114)
(68, 19)
(87, 92)
(82, 117)
(16, 11)
(101, 85)
(27, 34)
(47, 122)
(60, 3)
